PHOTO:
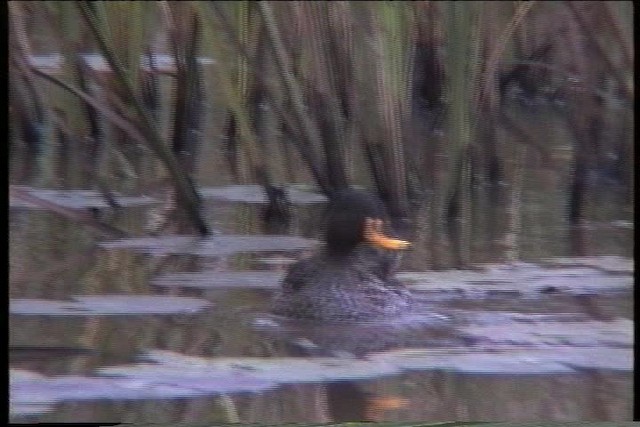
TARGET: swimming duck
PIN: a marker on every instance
(351, 277)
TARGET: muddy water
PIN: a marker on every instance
(177, 329)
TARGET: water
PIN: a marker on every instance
(178, 330)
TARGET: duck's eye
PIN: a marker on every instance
(373, 234)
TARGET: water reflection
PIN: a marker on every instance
(546, 339)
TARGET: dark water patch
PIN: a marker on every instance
(108, 305)
(34, 352)
(78, 199)
(221, 279)
(210, 246)
(256, 194)
(357, 339)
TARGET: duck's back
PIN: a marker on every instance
(324, 288)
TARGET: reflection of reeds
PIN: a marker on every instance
(463, 66)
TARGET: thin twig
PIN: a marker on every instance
(283, 62)
(183, 184)
(84, 217)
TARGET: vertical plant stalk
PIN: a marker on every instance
(151, 85)
(580, 18)
(239, 124)
(183, 185)
(308, 154)
(34, 109)
(583, 121)
(391, 49)
(306, 126)
(487, 92)
(95, 132)
(515, 206)
(331, 125)
(323, 99)
(248, 138)
(621, 39)
(462, 70)
(342, 49)
(188, 111)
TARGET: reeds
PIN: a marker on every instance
(413, 99)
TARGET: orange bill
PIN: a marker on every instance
(373, 234)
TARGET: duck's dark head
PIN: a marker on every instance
(354, 217)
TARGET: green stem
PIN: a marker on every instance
(183, 185)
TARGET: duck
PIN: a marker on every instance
(351, 277)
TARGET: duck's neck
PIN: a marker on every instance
(340, 254)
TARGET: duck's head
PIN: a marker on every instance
(354, 217)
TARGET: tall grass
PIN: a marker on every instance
(413, 99)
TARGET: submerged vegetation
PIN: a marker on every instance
(419, 100)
